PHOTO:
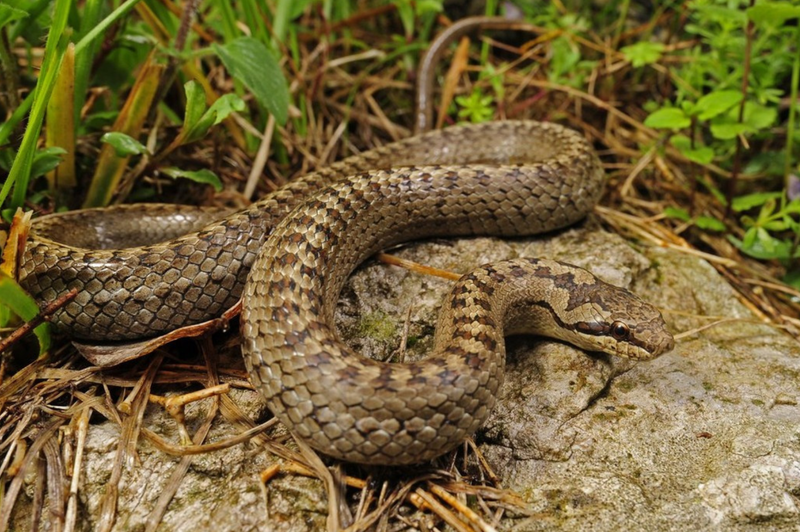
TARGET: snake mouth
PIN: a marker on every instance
(666, 345)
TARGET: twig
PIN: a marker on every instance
(184, 450)
(417, 267)
(40, 318)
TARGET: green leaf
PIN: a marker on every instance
(46, 160)
(776, 226)
(748, 240)
(476, 107)
(759, 117)
(743, 203)
(10, 14)
(195, 105)
(406, 13)
(24, 306)
(792, 278)
(219, 111)
(298, 7)
(677, 213)
(668, 118)
(124, 145)
(716, 103)
(709, 224)
(206, 177)
(701, 155)
(252, 63)
(773, 13)
(565, 57)
(643, 53)
(759, 244)
(728, 131)
(223, 107)
(424, 7)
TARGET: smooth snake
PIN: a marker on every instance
(300, 243)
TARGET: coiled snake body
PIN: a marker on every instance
(524, 178)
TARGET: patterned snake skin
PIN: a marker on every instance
(523, 178)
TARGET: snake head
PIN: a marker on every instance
(616, 321)
(569, 303)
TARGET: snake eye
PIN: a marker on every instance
(620, 331)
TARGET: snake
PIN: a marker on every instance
(144, 270)
(288, 256)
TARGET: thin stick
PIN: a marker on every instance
(261, 158)
(40, 318)
(184, 450)
(417, 267)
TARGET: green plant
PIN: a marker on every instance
(727, 96)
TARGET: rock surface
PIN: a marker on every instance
(706, 437)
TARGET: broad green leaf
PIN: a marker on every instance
(123, 144)
(668, 118)
(743, 203)
(195, 105)
(677, 213)
(252, 63)
(565, 57)
(701, 155)
(749, 239)
(46, 160)
(716, 103)
(206, 177)
(219, 111)
(100, 119)
(643, 53)
(766, 241)
(223, 107)
(759, 117)
(773, 13)
(10, 14)
(709, 224)
(759, 244)
(24, 306)
(776, 226)
(728, 131)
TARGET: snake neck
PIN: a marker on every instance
(505, 299)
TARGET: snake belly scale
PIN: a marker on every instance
(524, 178)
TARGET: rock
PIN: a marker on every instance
(705, 437)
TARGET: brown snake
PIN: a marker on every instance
(529, 178)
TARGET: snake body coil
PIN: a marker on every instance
(528, 178)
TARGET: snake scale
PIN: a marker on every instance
(301, 242)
